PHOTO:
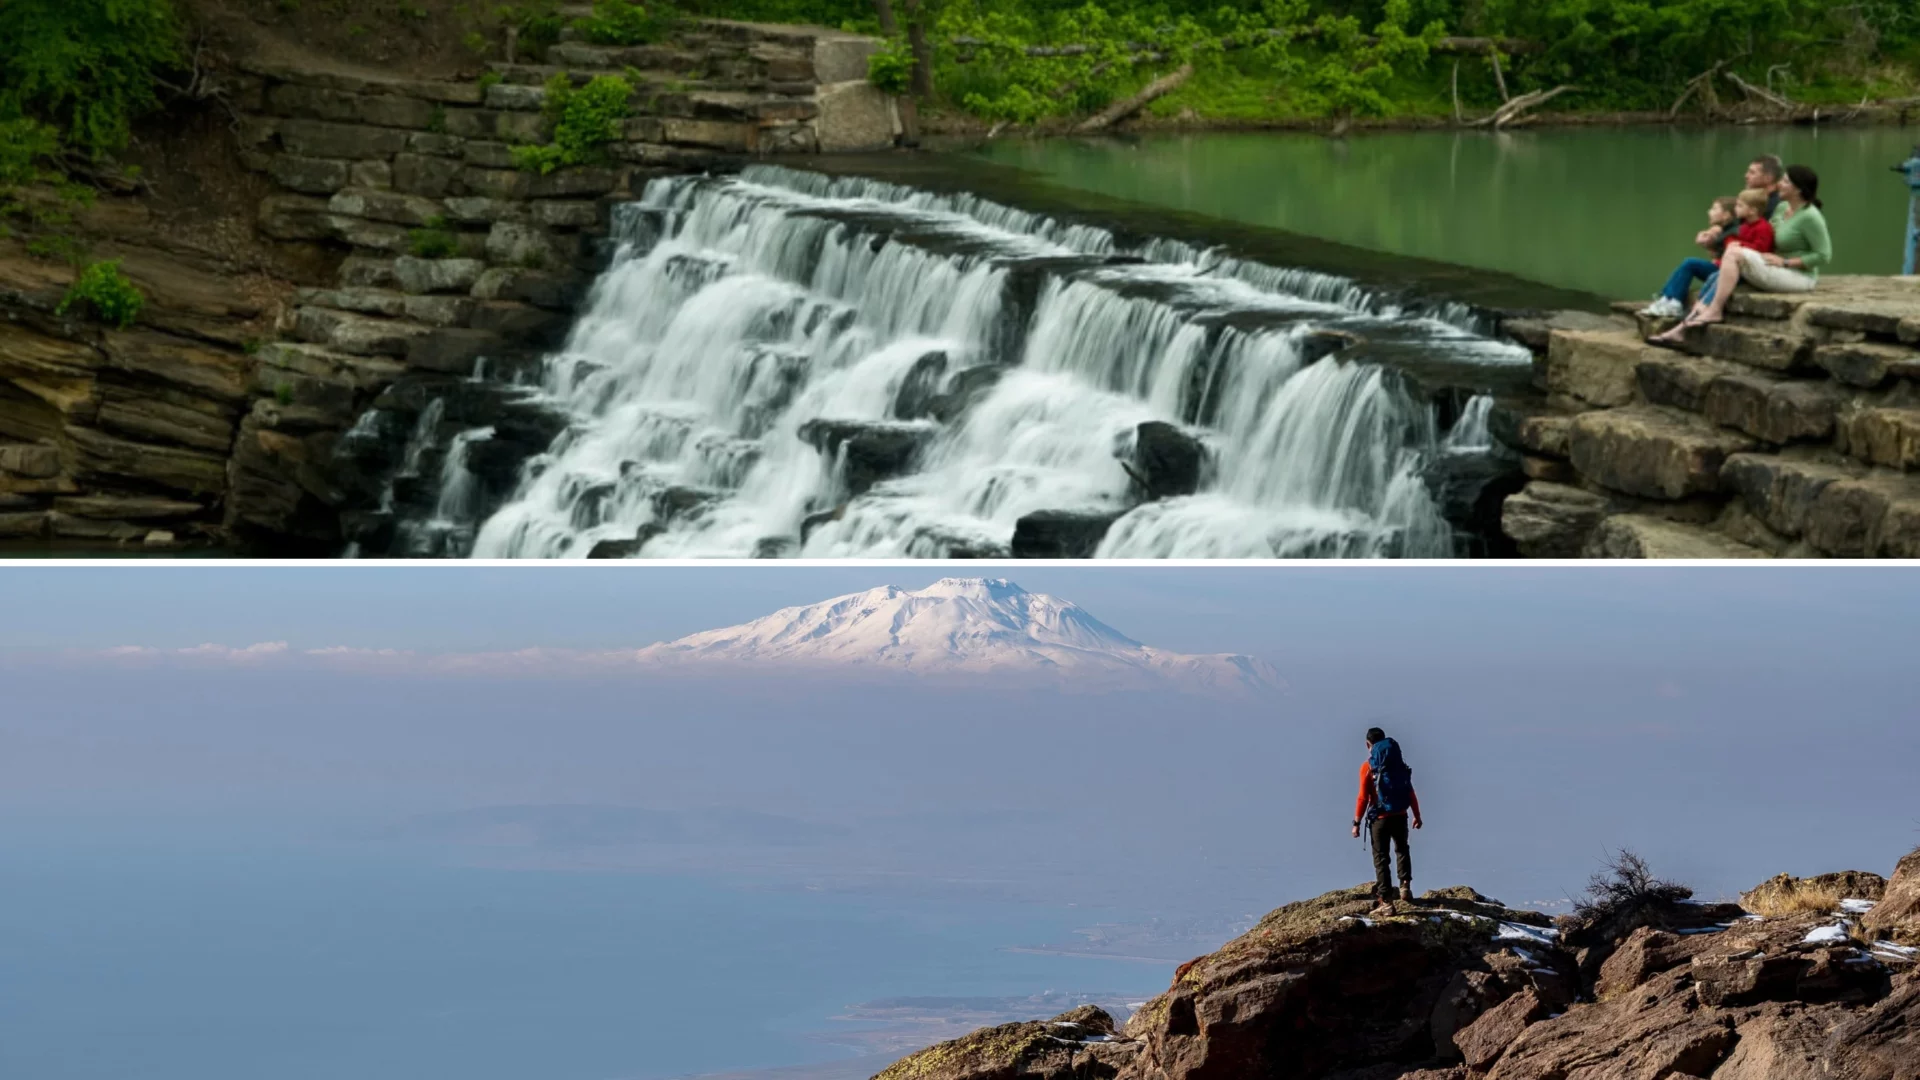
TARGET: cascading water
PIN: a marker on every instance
(782, 363)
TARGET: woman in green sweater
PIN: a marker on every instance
(1801, 247)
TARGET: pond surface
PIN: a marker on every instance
(1605, 210)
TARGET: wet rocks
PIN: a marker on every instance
(963, 389)
(920, 387)
(1062, 534)
(1550, 520)
(872, 451)
(1165, 461)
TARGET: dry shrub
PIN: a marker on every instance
(1624, 884)
(1784, 896)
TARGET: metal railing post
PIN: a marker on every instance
(1911, 253)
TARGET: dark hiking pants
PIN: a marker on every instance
(1390, 828)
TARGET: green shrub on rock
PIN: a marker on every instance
(435, 241)
(584, 121)
(101, 286)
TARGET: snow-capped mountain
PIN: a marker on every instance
(960, 627)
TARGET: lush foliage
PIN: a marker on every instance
(102, 287)
(79, 72)
(626, 22)
(891, 69)
(584, 121)
(1025, 60)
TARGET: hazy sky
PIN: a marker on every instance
(1729, 722)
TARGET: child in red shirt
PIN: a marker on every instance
(1750, 210)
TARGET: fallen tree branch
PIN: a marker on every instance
(1120, 110)
(1703, 85)
(1499, 79)
(1754, 92)
(1505, 114)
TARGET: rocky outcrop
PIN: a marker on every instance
(1458, 987)
(1897, 915)
(1792, 429)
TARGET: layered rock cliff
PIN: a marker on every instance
(319, 235)
(1804, 979)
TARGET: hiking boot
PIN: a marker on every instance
(1382, 908)
(1406, 893)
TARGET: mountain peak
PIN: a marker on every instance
(961, 626)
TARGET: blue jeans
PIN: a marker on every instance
(1712, 286)
(1688, 272)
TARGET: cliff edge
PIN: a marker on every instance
(1804, 978)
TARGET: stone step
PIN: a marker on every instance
(1769, 407)
(1680, 380)
(357, 373)
(1652, 451)
(1891, 319)
(1773, 409)
(1769, 349)
(1638, 536)
(358, 334)
(1882, 436)
(1595, 366)
(429, 310)
(1549, 520)
(577, 54)
(1839, 507)
(1867, 364)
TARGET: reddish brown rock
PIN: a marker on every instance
(1484, 1040)
(1897, 915)
(1882, 1043)
(1651, 1035)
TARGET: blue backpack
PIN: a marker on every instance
(1392, 779)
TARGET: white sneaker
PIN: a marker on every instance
(1653, 310)
(1671, 308)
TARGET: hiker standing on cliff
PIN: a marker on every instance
(1386, 797)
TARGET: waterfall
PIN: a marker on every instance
(783, 363)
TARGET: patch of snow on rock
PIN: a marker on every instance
(1826, 935)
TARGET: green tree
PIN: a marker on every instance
(84, 69)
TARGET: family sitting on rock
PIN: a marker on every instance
(1772, 237)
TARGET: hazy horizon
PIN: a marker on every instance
(1626, 701)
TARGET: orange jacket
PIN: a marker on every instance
(1366, 795)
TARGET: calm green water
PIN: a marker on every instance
(1604, 210)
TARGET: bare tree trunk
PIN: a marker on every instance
(1457, 117)
(1118, 111)
(922, 51)
(909, 120)
(888, 25)
(1499, 79)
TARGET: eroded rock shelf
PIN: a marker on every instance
(1792, 429)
